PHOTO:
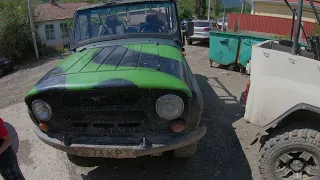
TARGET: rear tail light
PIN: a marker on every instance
(246, 92)
(206, 29)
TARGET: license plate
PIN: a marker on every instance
(113, 153)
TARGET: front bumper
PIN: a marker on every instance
(198, 38)
(155, 145)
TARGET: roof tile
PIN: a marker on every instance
(57, 11)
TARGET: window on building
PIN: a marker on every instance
(49, 31)
(64, 30)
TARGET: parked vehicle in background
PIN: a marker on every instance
(184, 22)
(126, 91)
(220, 22)
(201, 30)
(6, 65)
(282, 99)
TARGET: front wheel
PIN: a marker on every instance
(186, 151)
(291, 155)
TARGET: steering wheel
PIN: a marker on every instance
(149, 28)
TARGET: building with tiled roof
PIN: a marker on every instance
(278, 8)
(54, 17)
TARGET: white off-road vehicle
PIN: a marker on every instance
(282, 98)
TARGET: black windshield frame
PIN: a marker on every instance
(175, 36)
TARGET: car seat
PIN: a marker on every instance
(114, 24)
(151, 20)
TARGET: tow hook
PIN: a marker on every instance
(67, 139)
(145, 142)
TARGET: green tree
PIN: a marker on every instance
(216, 8)
(15, 33)
(200, 8)
(185, 8)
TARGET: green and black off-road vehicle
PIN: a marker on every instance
(126, 90)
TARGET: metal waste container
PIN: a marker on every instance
(224, 47)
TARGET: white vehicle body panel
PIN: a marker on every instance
(279, 82)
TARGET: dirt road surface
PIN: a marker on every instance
(224, 153)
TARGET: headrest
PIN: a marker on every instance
(112, 20)
(151, 18)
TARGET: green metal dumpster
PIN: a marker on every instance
(224, 47)
(247, 41)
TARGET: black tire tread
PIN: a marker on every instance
(279, 140)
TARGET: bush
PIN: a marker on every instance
(185, 8)
(316, 30)
(280, 37)
(45, 50)
(15, 33)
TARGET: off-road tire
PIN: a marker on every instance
(80, 161)
(189, 42)
(307, 139)
(187, 151)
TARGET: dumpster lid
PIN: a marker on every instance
(226, 33)
(257, 36)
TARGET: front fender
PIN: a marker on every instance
(263, 131)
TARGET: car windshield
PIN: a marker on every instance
(225, 20)
(201, 24)
(124, 19)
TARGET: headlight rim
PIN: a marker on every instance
(164, 96)
(46, 105)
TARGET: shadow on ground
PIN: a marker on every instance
(200, 44)
(37, 63)
(220, 155)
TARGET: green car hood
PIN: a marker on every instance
(153, 66)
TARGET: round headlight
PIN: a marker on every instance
(41, 110)
(169, 107)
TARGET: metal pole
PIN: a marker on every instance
(32, 30)
(209, 9)
(223, 18)
(292, 24)
(241, 6)
(315, 11)
(295, 47)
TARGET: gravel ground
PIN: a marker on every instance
(224, 153)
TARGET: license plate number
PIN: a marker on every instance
(113, 153)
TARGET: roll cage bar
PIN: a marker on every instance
(295, 47)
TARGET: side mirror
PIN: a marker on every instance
(189, 29)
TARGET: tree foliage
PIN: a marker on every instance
(185, 8)
(216, 7)
(15, 33)
(200, 8)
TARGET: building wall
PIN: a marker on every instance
(281, 10)
(58, 41)
(265, 24)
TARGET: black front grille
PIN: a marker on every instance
(121, 113)
(119, 97)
